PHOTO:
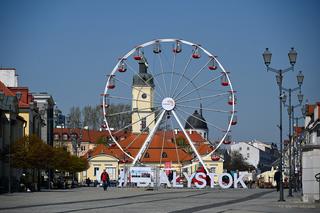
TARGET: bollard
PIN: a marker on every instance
(317, 176)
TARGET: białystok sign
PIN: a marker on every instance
(146, 177)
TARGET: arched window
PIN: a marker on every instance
(164, 155)
(147, 155)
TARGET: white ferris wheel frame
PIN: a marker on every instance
(152, 132)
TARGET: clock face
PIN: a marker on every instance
(144, 95)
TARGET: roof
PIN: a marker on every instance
(6, 90)
(298, 130)
(196, 121)
(162, 141)
(143, 78)
(26, 97)
(310, 109)
(7, 68)
(90, 136)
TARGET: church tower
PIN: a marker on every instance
(143, 117)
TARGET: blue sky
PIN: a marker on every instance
(67, 47)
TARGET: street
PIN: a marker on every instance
(163, 200)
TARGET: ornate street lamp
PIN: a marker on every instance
(282, 98)
(292, 56)
(267, 57)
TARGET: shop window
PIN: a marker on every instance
(95, 171)
(65, 137)
(56, 137)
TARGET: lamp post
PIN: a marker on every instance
(290, 108)
(267, 60)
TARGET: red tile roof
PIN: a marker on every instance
(90, 136)
(6, 90)
(133, 142)
(26, 97)
(310, 109)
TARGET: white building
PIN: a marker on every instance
(9, 77)
(257, 153)
(311, 154)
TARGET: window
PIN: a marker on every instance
(164, 155)
(248, 148)
(143, 123)
(147, 155)
(213, 169)
(95, 171)
(83, 148)
(248, 155)
(56, 137)
(240, 148)
(65, 137)
(318, 131)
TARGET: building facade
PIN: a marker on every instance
(311, 153)
(45, 104)
(11, 129)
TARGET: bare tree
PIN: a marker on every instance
(74, 120)
(119, 116)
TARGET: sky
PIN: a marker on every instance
(66, 48)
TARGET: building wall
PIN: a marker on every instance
(144, 105)
(250, 154)
(8, 77)
(101, 162)
(310, 167)
(26, 117)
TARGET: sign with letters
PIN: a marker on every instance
(145, 177)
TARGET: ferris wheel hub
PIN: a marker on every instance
(168, 104)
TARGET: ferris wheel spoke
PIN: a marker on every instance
(129, 125)
(162, 72)
(190, 141)
(143, 130)
(131, 87)
(149, 138)
(128, 111)
(184, 71)
(209, 123)
(131, 68)
(172, 71)
(201, 86)
(203, 98)
(194, 77)
(175, 142)
(131, 99)
(163, 139)
(205, 109)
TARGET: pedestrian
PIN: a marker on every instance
(88, 181)
(105, 179)
(277, 179)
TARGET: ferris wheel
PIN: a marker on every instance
(169, 86)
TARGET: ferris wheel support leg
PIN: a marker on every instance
(149, 138)
(190, 141)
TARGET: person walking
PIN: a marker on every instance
(277, 179)
(105, 179)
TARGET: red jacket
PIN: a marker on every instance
(104, 176)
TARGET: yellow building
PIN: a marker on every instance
(143, 116)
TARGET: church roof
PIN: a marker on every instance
(196, 121)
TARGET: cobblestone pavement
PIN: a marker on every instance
(163, 200)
